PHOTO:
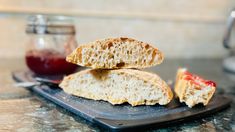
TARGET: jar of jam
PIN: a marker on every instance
(51, 39)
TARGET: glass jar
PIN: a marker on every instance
(51, 39)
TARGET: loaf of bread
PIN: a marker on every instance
(116, 53)
(192, 89)
(118, 86)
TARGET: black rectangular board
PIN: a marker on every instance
(124, 117)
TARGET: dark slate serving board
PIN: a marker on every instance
(124, 117)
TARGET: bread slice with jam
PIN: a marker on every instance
(192, 89)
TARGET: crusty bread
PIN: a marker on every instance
(116, 53)
(192, 89)
(118, 86)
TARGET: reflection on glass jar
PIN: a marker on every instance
(51, 39)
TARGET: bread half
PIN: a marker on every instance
(116, 53)
(192, 89)
(118, 86)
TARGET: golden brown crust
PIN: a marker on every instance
(116, 53)
(149, 79)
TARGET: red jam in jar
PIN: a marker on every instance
(48, 62)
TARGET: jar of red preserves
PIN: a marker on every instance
(51, 39)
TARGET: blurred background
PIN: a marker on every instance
(181, 29)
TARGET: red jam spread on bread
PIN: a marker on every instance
(198, 80)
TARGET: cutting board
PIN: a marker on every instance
(124, 117)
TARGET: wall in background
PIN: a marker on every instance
(182, 28)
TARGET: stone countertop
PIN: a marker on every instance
(21, 110)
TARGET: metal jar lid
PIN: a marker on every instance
(43, 24)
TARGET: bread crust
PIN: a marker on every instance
(185, 90)
(101, 75)
(116, 53)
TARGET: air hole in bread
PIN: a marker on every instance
(110, 45)
(111, 56)
(146, 46)
(123, 39)
(121, 64)
(145, 101)
(103, 47)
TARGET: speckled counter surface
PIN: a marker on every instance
(23, 111)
